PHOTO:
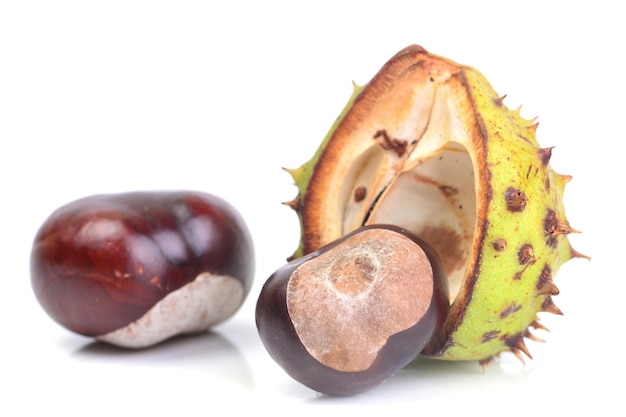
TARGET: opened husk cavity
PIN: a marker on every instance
(428, 145)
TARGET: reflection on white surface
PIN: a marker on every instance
(209, 354)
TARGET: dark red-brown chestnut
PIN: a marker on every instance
(136, 268)
(345, 318)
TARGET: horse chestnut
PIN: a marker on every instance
(343, 319)
(136, 268)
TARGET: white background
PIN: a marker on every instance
(115, 96)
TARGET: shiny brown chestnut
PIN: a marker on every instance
(136, 268)
(345, 318)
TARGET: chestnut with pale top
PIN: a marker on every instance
(137, 268)
(345, 318)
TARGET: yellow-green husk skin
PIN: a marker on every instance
(507, 259)
(507, 293)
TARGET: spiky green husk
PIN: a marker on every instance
(519, 237)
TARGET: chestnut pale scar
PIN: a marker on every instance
(346, 303)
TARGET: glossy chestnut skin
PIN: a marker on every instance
(281, 339)
(101, 262)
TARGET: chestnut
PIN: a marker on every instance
(348, 316)
(136, 268)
